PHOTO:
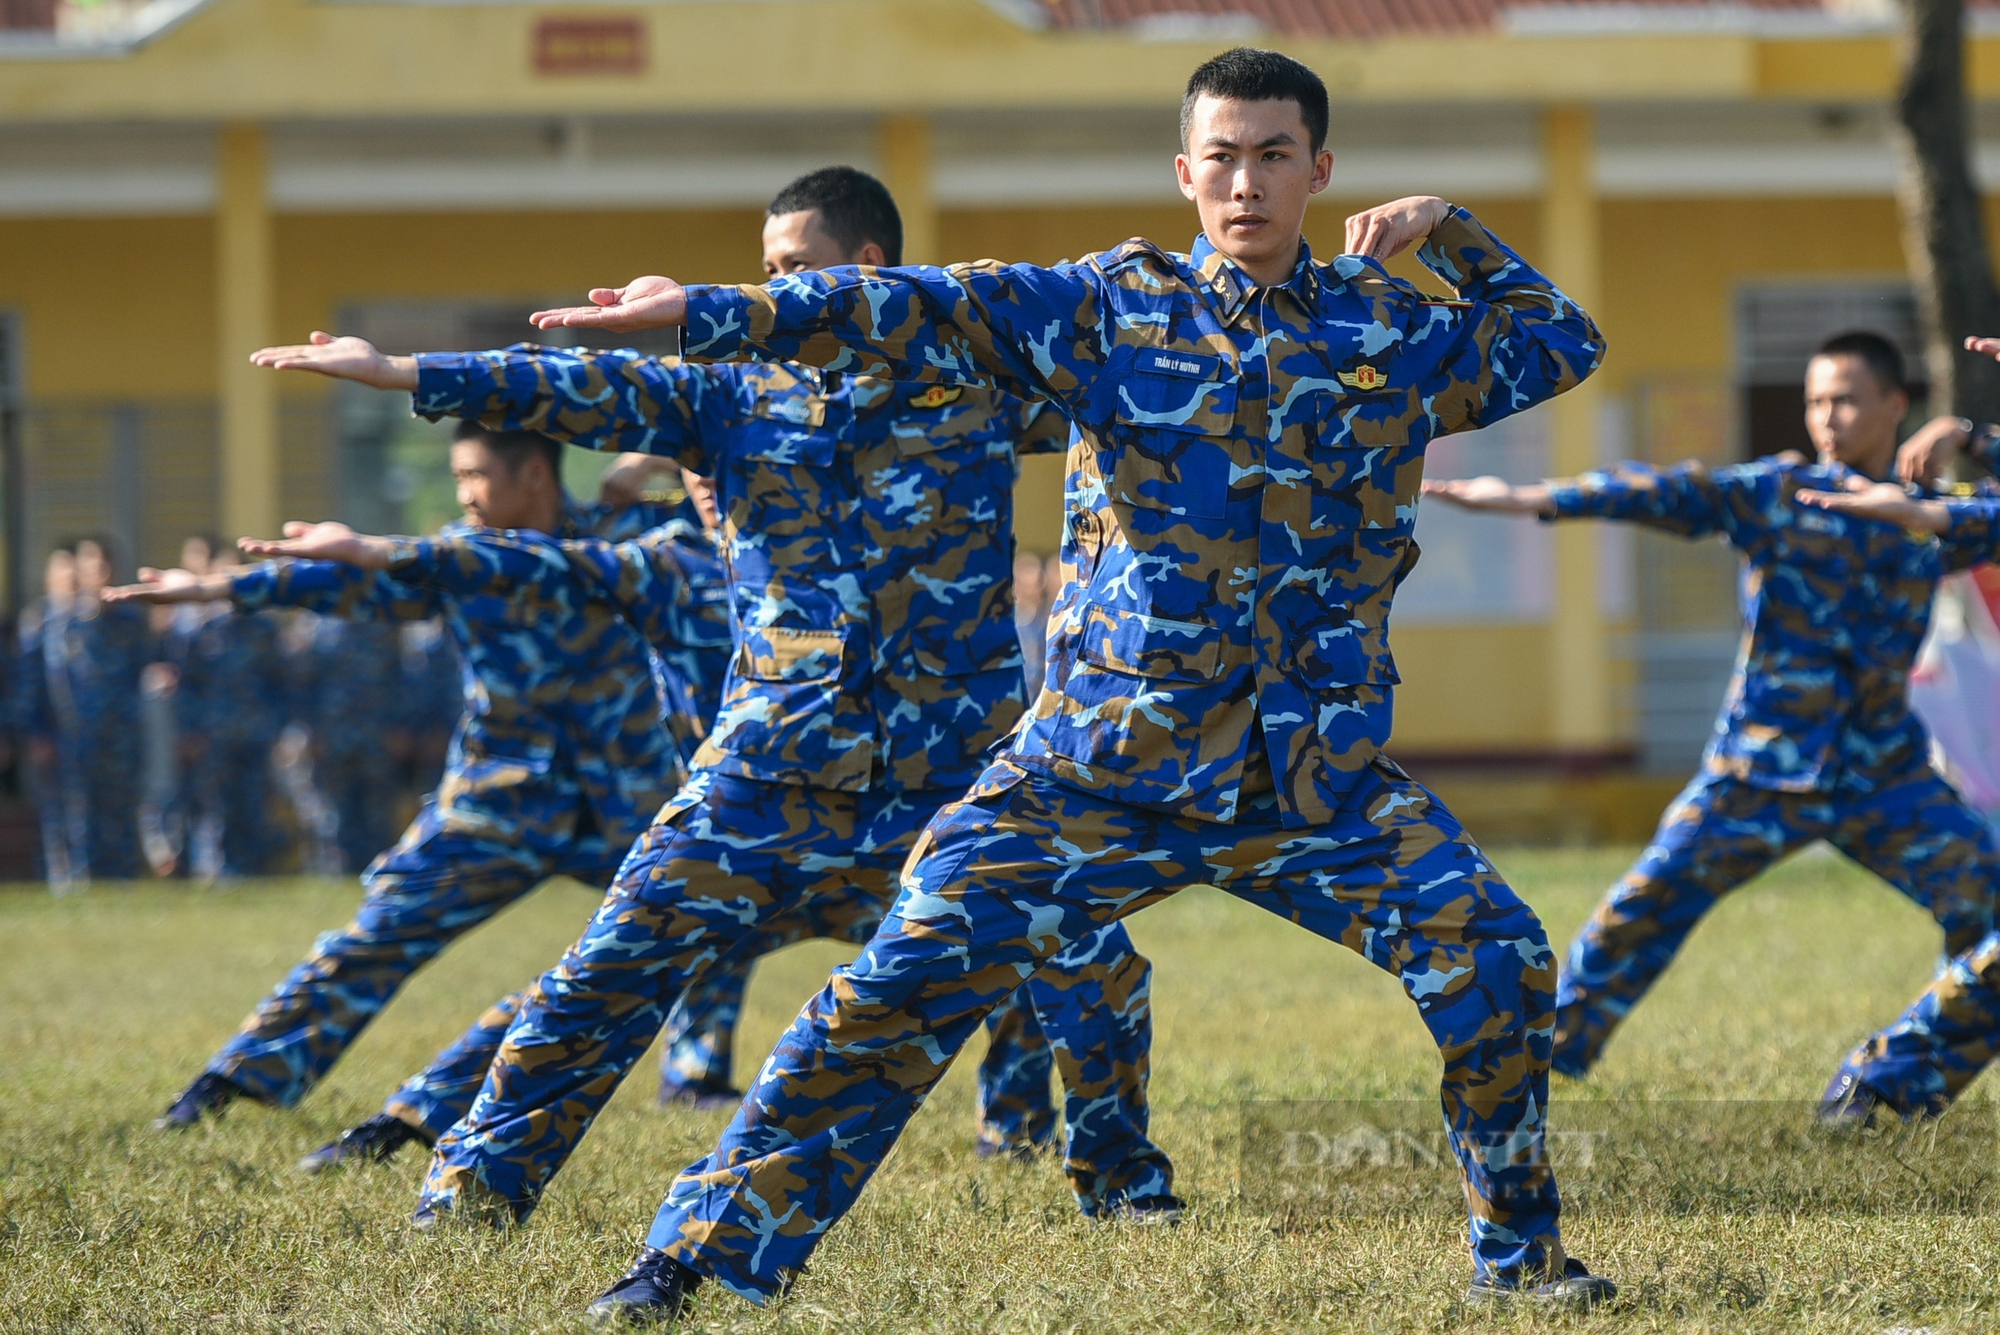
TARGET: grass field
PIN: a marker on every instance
(110, 1000)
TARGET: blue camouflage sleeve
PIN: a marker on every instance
(1029, 331)
(1984, 446)
(1972, 532)
(622, 401)
(1688, 500)
(332, 589)
(1512, 340)
(472, 561)
(642, 577)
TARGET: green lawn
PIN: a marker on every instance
(110, 1001)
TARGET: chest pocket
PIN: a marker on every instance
(941, 419)
(1174, 433)
(787, 428)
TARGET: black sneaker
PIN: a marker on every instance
(703, 1095)
(1577, 1290)
(373, 1141)
(654, 1290)
(1849, 1103)
(208, 1095)
(1146, 1210)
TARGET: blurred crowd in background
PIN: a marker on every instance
(197, 741)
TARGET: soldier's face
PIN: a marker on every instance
(701, 491)
(1250, 169)
(59, 575)
(796, 243)
(93, 567)
(491, 493)
(1850, 417)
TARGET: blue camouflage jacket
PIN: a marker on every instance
(867, 536)
(1243, 478)
(1835, 608)
(563, 721)
(692, 650)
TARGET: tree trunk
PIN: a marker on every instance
(1944, 234)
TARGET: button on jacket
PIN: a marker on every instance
(867, 534)
(562, 724)
(1242, 485)
(1835, 610)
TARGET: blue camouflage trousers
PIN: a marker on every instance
(1015, 1113)
(442, 1093)
(727, 857)
(1024, 869)
(1951, 1033)
(1913, 831)
(699, 1045)
(431, 888)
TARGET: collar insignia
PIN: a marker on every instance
(937, 396)
(1363, 378)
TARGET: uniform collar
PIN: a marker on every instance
(1231, 288)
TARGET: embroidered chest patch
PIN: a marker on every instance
(937, 396)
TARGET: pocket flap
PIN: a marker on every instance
(776, 653)
(787, 429)
(1164, 402)
(1148, 646)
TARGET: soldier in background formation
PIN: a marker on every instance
(232, 701)
(352, 697)
(77, 706)
(148, 741)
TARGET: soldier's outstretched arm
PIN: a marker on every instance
(165, 587)
(1688, 500)
(621, 401)
(1023, 328)
(643, 577)
(1492, 495)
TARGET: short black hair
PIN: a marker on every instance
(1877, 352)
(1251, 74)
(853, 207)
(514, 447)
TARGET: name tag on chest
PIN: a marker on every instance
(1193, 365)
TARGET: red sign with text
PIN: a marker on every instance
(590, 46)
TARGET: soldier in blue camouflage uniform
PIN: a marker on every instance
(1249, 433)
(558, 764)
(81, 661)
(232, 702)
(868, 537)
(1816, 739)
(1918, 1065)
(33, 719)
(349, 684)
